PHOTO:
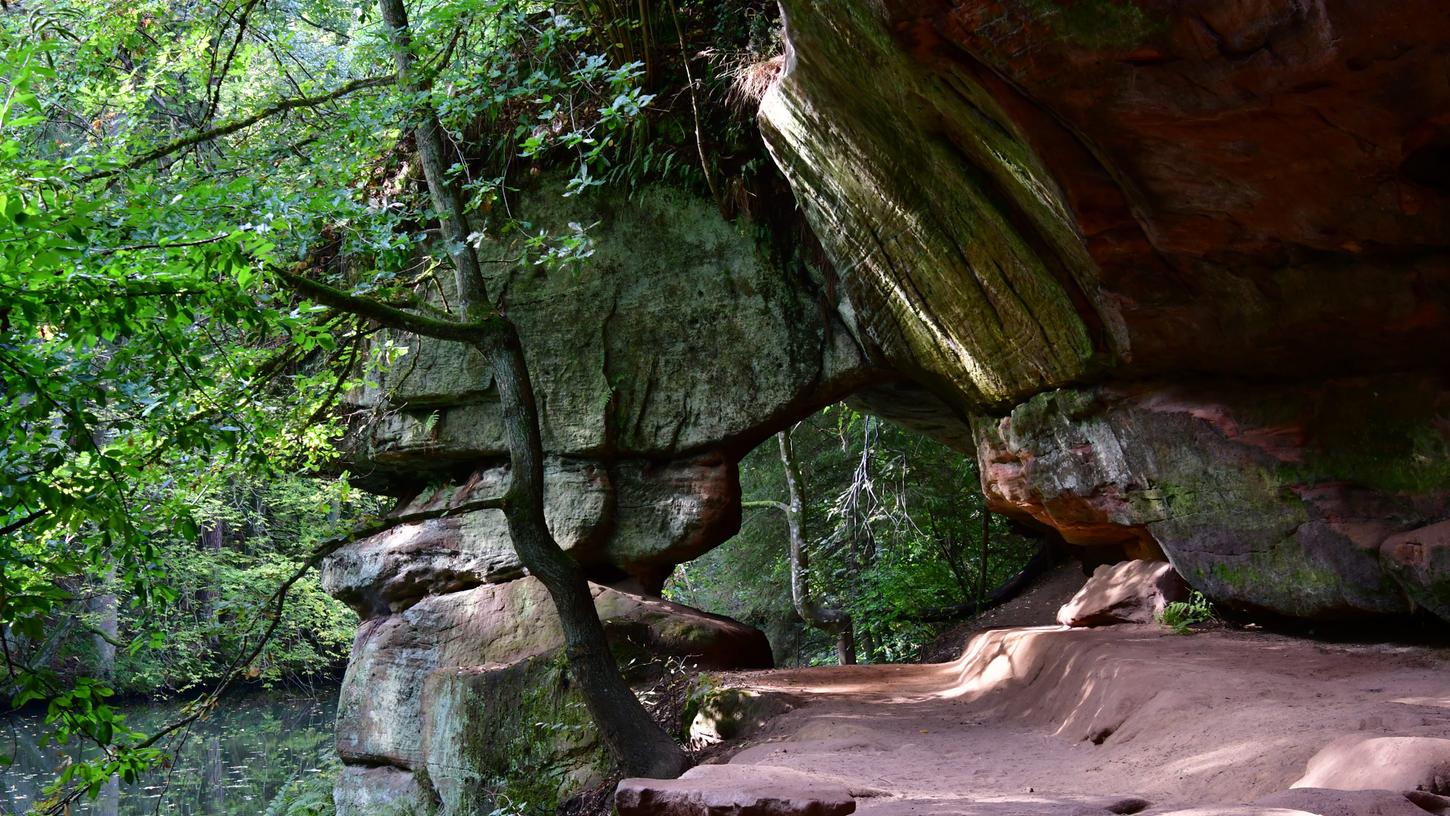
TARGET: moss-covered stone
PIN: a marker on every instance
(517, 736)
(1264, 496)
(679, 333)
(716, 713)
(1098, 24)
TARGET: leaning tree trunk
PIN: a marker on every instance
(836, 621)
(641, 746)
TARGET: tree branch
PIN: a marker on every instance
(23, 522)
(390, 316)
(1040, 562)
(239, 124)
(277, 602)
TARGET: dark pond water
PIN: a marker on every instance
(233, 763)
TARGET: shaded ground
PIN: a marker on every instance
(1036, 606)
(1050, 720)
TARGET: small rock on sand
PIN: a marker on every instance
(1126, 592)
(1357, 762)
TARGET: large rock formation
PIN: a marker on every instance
(1177, 272)
(1187, 262)
(673, 352)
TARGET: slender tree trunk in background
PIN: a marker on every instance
(103, 606)
(835, 621)
(846, 645)
(639, 743)
(982, 562)
(213, 535)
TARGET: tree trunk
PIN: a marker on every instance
(846, 645)
(213, 535)
(639, 743)
(982, 562)
(836, 621)
(105, 609)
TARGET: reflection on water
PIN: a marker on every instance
(233, 763)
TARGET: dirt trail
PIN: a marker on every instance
(1052, 720)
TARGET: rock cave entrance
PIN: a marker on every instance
(895, 542)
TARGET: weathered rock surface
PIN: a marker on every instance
(1419, 560)
(1221, 187)
(1178, 272)
(677, 338)
(1326, 802)
(1232, 205)
(521, 730)
(1127, 592)
(640, 518)
(396, 569)
(733, 790)
(1381, 763)
(454, 686)
(1262, 496)
(730, 714)
(383, 711)
(383, 790)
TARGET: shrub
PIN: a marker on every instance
(1181, 615)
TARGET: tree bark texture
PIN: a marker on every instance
(639, 744)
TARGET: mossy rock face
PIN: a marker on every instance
(958, 254)
(384, 790)
(1419, 560)
(678, 334)
(1283, 498)
(716, 714)
(515, 734)
(381, 708)
(467, 693)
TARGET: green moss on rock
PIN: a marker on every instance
(1098, 24)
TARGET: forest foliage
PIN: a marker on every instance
(169, 402)
(162, 165)
(894, 521)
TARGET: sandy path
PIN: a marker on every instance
(1048, 720)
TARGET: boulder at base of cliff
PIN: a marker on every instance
(734, 790)
(467, 693)
(1420, 561)
(1357, 762)
(1126, 592)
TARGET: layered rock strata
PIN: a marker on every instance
(657, 365)
(1187, 262)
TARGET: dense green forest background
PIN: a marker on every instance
(894, 524)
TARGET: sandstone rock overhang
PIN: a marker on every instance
(1187, 262)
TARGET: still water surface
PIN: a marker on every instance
(233, 764)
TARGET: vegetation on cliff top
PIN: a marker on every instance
(207, 213)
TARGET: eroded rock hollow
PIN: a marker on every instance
(1177, 273)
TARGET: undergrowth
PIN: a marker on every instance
(1181, 616)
